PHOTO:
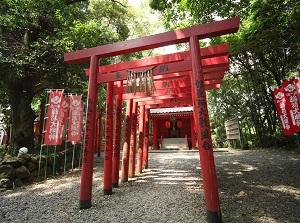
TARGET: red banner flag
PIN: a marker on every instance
(292, 104)
(54, 111)
(75, 119)
(64, 116)
(280, 103)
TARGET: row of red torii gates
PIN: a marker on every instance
(180, 79)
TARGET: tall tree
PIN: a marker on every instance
(30, 56)
(34, 35)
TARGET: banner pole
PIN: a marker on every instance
(43, 132)
(40, 159)
(66, 147)
(54, 161)
(73, 154)
(46, 164)
(65, 133)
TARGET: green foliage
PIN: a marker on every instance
(219, 138)
(263, 52)
(34, 36)
(3, 150)
(182, 13)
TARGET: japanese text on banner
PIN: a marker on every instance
(53, 120)
(75, 119)
(291, 105)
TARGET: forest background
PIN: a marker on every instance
(35, 34)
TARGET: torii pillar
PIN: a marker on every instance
(132, 150)
(207, 162)
(146, 139)
(154, 134)
(139, 167)
(108, 151)
(126, 145)
(192, 123)
(117, 140)
(88, 149)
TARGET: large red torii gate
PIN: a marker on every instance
(191, 35)
(173, 81)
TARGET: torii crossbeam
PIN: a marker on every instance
(190, 35)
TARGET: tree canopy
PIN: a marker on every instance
(34, 36)
(263, 52)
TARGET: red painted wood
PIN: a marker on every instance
(96, 135)
(213, 72)
(215, 62)
(213, 76)
(159, 85)
(208, 52)
(203, 133)
(139, 167)
(161, 69)
(203, 31)
(193, 132)
(99, 134)
(89, 135)
(131, 167)
(168, 101)
(127, 134)
(206, 70)
(177, 83)
(210, 82)
(174, 75)
(165, 84)
(173, 80)
(170, 105)
(167, 91)
(176, 96)
(108, 151)
(167, 98)
(212, 86)
(154, 139)
(146, 139)
(117, 140)
(179, 123)
(167, 68)
(186, 142)
(148, 62)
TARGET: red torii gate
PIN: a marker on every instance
(191, 35)
(215, 57)
(215, 62)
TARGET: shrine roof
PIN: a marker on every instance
(170, 110)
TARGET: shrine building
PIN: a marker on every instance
(172, 123)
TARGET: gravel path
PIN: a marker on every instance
(254, 186)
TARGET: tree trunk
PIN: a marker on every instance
(22, 114)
